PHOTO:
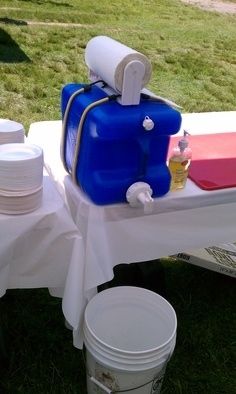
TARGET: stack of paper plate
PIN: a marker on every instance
(21, 178)
(19, 203)
(11, 132)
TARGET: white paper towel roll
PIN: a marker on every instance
(107, 58)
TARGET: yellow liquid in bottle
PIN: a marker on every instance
(178, 166)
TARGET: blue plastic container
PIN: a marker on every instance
(115, 149)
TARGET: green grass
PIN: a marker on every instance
(193, 54)
(39, 357)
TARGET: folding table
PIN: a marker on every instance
(187, 219)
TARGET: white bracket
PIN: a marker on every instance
(132, 83)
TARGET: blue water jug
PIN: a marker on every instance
(108, 147)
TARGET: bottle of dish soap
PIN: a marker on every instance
(179, 163)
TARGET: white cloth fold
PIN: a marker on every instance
(43, 249)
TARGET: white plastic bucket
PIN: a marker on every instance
(129, 335)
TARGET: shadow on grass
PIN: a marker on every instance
(48, 2)
(9, 21)
(10, 52)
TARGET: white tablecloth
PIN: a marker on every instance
(44, 249)
(183, 220)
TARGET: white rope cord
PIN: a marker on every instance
(64, 124)
(79, 132)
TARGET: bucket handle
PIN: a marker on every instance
(99, 384)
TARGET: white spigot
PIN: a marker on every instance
(140, 194)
